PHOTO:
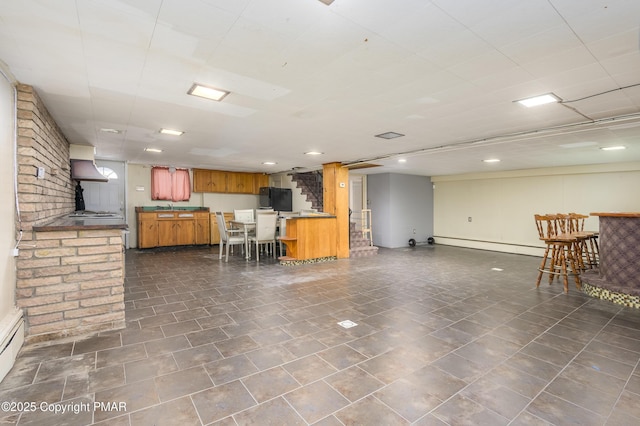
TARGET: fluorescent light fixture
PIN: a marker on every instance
(207, 92)
(577, 145)
(152, 150)
(491, 160)
(313, 153)
(171, 132)
(402, 160)
(269, 163)
(114, 131)
(389, 135)
(539, 100)
(613, 148)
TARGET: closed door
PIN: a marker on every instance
(106, 196)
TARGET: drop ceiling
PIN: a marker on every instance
(305, 76)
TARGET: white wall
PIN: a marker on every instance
(9, 314)
(7, 208)
(399, 205)
(502, 205)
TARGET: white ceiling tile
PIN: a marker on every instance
(305, 76)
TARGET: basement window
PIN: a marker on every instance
(108, 173)
(170, 184)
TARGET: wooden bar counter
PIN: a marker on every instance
(618, 275)
(310, 239)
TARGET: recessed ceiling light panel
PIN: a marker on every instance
(207, 92)
(313, 153)
(613, 148)
(539, 100)
(389, 135)
(114, 131)
(171, 132)
(491, 160)
(152, 150)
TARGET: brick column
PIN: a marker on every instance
(71, 283)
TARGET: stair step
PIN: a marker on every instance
(363, 251)
(310, 184)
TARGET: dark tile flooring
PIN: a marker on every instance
(444, 336)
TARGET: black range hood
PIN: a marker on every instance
(86, 170)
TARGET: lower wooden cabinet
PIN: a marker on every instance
(202, 229)
(172, 228)
(213, 227)
(147, 230)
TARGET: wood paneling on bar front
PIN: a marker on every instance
(335, 183)
(311, 237)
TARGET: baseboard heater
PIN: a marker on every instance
(11, 340)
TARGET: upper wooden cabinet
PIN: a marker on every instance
(209, 180)
(240, 183)
(205, 180)
(261, 180)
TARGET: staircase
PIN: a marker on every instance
(310, 184)
(359, 245)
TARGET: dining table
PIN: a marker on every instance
(245, 226)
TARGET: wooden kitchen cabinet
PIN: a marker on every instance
(147, 230)
(176, 232)
(201, 180)
(219, 181)
(202, 228)
(240, 183)
(260, 180)
(173, 228)
(209, 180)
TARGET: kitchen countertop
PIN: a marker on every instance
(163, 209)
(66, 223)
(616, 214)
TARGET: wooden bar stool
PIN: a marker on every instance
(559, 251)
(565, 227)
(589, 240)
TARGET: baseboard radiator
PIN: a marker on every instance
(11, 340)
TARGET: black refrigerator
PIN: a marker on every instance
(279, 199)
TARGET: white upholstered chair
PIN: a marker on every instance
(228, 237)
(265, 233)
(243, 215)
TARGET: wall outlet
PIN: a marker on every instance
(40, 173)
(16, 252)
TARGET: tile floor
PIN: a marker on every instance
(442, 338)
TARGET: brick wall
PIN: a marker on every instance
(67, 282)
(41, 144)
